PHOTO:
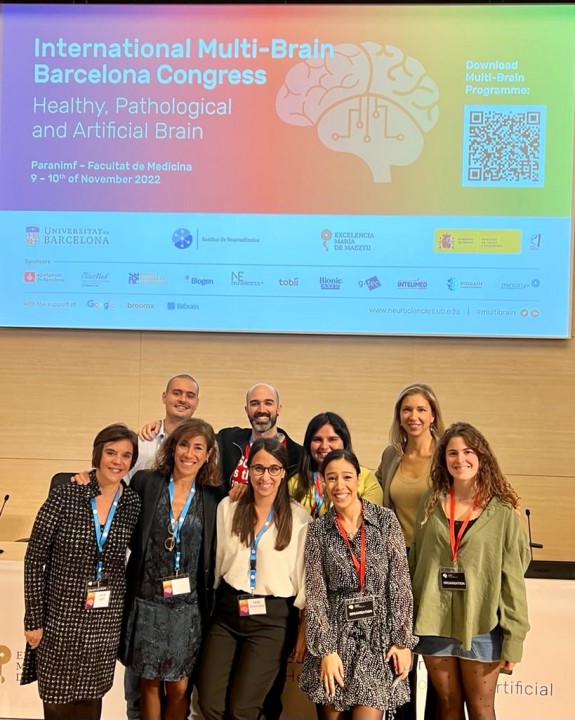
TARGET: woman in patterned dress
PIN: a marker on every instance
(359, 604)
(74, 577)
(170, 571)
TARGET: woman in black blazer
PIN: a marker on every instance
(171, 568)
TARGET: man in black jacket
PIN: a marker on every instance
(262, 408)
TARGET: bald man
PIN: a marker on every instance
(234, 443)
(262, 409)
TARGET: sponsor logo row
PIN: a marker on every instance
(241, 278)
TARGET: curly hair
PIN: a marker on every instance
(490, 481)
(245, 518)
(209, 473)
(397, 435)
(307, 465)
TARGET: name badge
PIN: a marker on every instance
(97, 594)
(248, 605)
(176, 585)
(359, 609)
(450, 579)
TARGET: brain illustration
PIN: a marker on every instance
(368, 100)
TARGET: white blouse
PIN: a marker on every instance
(278, 572)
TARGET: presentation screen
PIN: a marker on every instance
(302, 169)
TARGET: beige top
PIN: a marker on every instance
(405, 494)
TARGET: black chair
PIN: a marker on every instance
(61, 478)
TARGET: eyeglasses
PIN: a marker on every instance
(170, 542)
(273, 470)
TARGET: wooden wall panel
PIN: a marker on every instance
(27, 481)
(58, 388)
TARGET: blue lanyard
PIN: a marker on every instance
(254, 549)
(318, 497)
(177, 524)
(102, 535)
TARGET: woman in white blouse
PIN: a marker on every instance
(260, 587)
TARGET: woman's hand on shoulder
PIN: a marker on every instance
(401, 658)
(34, 637)
(150, 430)
(82, 478)
(331, 672)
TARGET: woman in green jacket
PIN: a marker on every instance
(467, 561)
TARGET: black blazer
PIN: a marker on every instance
(148, 484)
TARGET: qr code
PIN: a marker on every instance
(503, 146)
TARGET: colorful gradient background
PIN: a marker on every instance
(253, 161)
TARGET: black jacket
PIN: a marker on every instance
(231, 444)
(148, 484)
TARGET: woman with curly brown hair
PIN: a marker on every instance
(467, 562)
(171, 570)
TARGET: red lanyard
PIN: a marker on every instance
(318, 495)
(359, 565)
(456, 542)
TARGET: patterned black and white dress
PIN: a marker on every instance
(76, 658)
(362, 645)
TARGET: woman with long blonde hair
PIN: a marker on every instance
(405, 464)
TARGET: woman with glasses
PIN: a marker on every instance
(260, 579)
(326, 432)
(74, 582)
(170, 570)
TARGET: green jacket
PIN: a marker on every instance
(494, 553)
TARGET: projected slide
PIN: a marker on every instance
(316, 169)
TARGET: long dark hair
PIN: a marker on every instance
(307, 465)
(490, 481)
(245, 517)
(209, 474)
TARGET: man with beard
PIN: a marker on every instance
(262, 408)
(234, 443)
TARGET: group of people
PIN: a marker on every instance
(247, 549)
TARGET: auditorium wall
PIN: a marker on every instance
(58, 388)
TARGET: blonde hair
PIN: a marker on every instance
(397, 435)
